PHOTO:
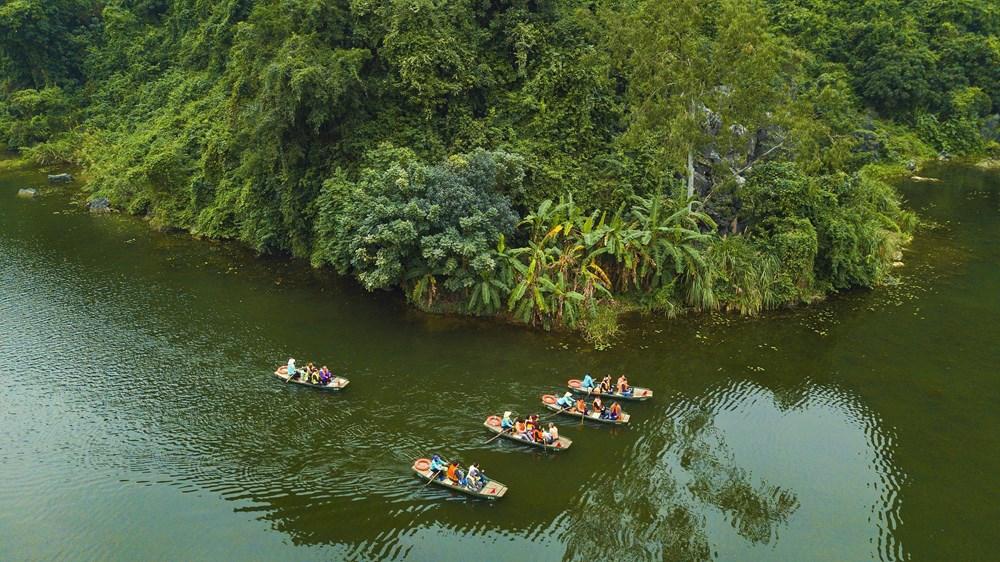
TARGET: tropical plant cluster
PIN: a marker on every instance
(551, 161)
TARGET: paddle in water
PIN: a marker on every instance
(433, 478)
(561, 410)
(502, 431)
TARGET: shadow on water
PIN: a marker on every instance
(139, 405)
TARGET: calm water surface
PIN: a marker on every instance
(139, 418)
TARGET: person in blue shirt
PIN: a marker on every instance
(566, 401)
(506, 424)
(438, 466)
(588, 382)
(292, 371)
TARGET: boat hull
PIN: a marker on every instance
(549, 401)
(492, 423)
(492, 490)
(337, 384)
(638, 393)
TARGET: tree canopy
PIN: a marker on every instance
(709, 154)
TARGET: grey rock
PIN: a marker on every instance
(911, 165)
(60, 178)
(99, 205)
(27, 193)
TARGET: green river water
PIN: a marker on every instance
(139, 418)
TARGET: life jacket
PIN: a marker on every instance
(581, 406)
(519, 426)
(453, 472)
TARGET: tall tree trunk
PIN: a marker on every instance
(690, 173)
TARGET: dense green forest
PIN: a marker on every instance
(553, 161)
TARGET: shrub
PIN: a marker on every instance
(405, 223)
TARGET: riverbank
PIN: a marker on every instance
(13, 163)
(573, 268)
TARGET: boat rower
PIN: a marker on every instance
(506, 424)
(292, 371)
(588, 382)
(438, 467)
(566, 401)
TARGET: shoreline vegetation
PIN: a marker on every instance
(552, 163)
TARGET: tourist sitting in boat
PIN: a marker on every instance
(456, 474)
(615, 411)
(506, 424)
(292, 371)
(438, 466)
(566, 401)
(623, 387)
(476, 479)
(537, 435)
(588, 382)
(598, 405)
(605, 385)
(325, 376)
(581, 406)
(519, 427)
(552, 434)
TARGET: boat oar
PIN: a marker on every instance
(490, 440)
(561, 410)
(433, 478)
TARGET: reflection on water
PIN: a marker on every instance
(137, 408)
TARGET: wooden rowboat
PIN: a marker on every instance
(492, 423)
(338, 383)
(638, 393)
(492, 490)
(549, 401)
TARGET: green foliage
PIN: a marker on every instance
(41, 40)
(405, 223)
(851, 225)
(422, 145)
(685, 58)
(29, 116)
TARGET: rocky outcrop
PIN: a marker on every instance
(27, 193)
